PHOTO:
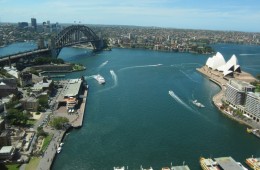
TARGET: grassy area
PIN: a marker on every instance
(77, 67)
(13, 167)
(31, 122)
(46, 142)
(34, 162)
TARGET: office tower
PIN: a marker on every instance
(34, 23)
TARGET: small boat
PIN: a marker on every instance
(249, 130)
(61, 144)
(208, 164)
(59, 149)
(100, 79)
(253, 163)
(195, 102)
(119, 168)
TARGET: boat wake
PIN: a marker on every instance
(249, 54)
(176, 98)
(185, 65)
(189, 77)
(103, 64)
(250, 68)
(143, 66)
(114, 77)
(89, 77)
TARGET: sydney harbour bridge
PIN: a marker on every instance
(72, 35)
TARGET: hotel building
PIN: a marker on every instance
(240, 95)
(252, 106)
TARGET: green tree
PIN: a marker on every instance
(41, 132)
(16, 117)
(43, 101)
(58, 122)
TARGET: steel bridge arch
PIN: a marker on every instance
(72, 35)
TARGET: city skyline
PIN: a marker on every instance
(185, 14)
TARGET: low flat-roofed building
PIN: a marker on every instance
(228, 163)
(71, 93)
(7, 152)
(73, 88)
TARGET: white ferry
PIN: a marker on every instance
(195, 102)
(100, 79)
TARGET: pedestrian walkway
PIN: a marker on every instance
(49, 155)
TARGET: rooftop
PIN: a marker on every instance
(73, 87)
(6, 149)
(228, 163)
(184, 167)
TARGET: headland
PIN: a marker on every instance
(218, 78)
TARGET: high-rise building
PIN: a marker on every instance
(23, 24)
(34, 23)
(252, 106)
(236, 91)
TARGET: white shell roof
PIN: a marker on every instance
(217, 62)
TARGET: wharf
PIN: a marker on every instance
(218, 78)
(76, 123)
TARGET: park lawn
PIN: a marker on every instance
(33, 164)
(13, 167)
(31, 122)
(46, 142)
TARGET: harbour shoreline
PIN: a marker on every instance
(50, 154)
(218, 79)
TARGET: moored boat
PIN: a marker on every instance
(59, 149)
(208, 164)
(119, 168)
(253, 163)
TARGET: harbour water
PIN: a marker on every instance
(132, 120)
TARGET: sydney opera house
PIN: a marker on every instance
(218, 63)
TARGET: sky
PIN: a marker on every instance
(229, 15)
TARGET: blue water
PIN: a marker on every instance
(17, 48)
(132, 120)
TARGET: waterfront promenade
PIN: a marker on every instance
(49, 155)
(218, 78)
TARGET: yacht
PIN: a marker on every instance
(253, 163)
(208, 164)
(195, 102)
(100, 79)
